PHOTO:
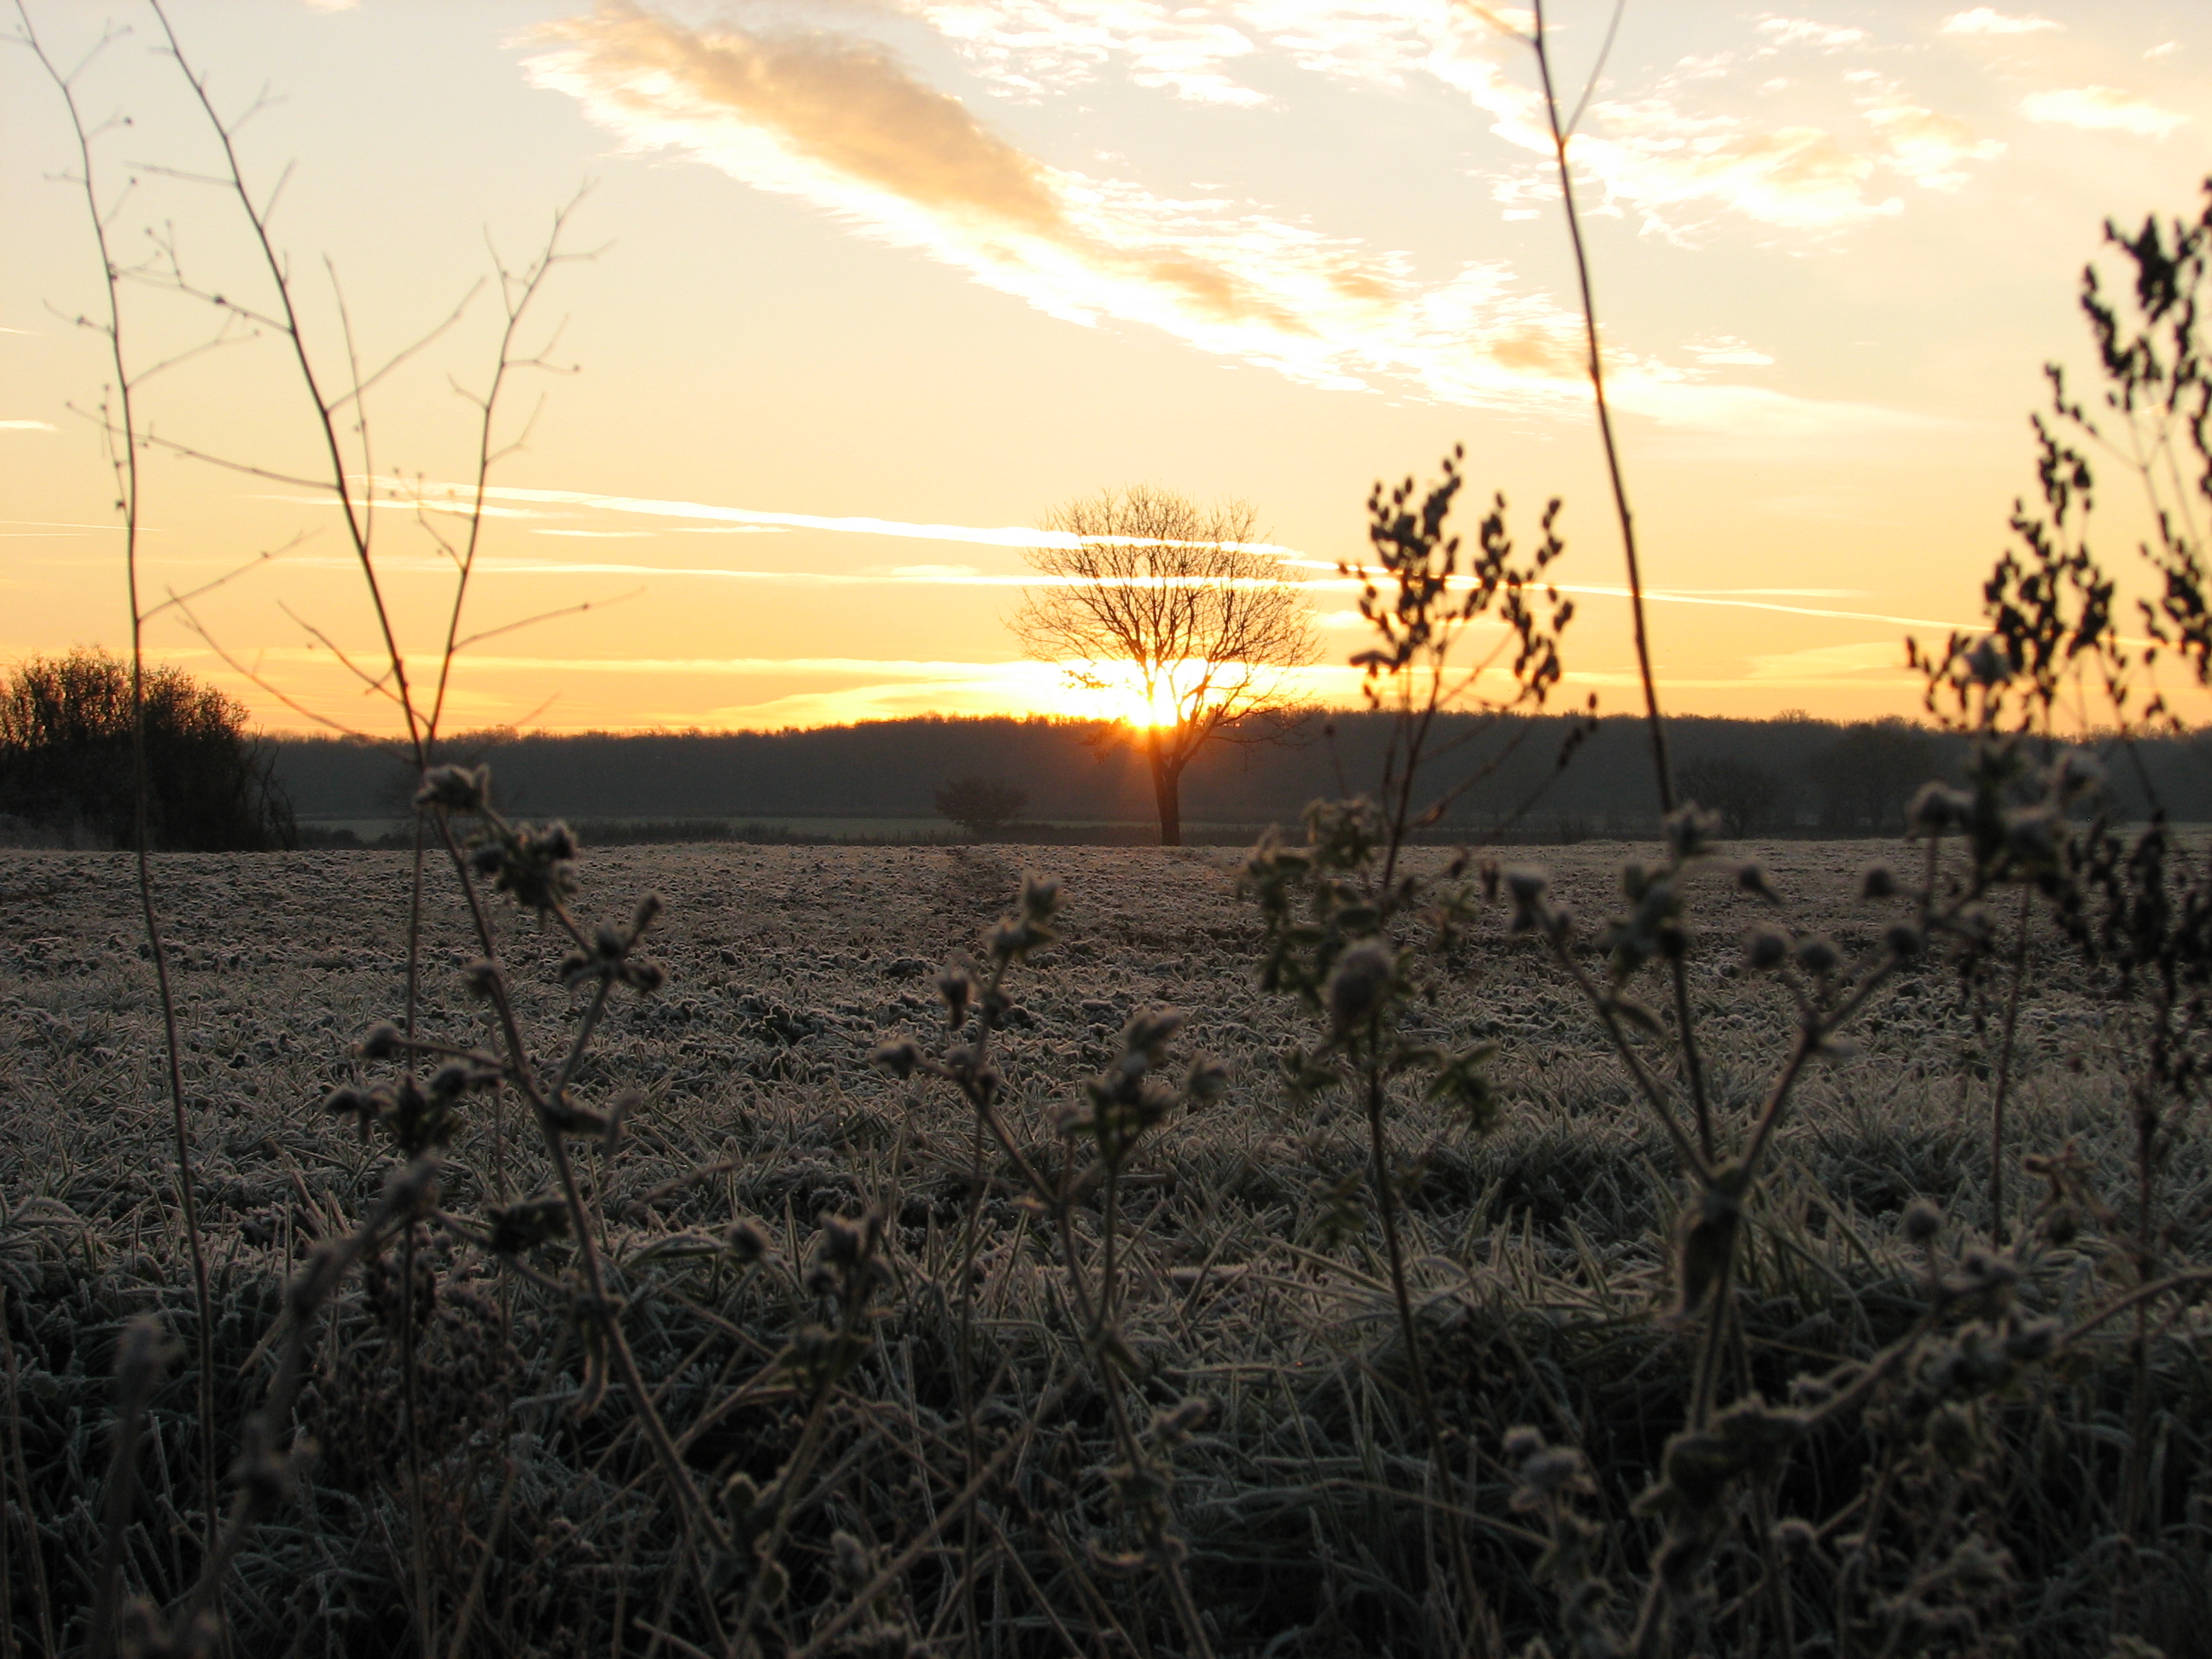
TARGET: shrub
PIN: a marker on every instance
(65, 757)
(982, 807)
(1750, 798)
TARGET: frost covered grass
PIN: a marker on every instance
(1250, 1270)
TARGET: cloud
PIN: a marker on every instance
(1988, 20)
(924, 572)
(1668, 165)
(1929, 148)
(1823, 664)
(838, 106)
(1644, 155)
(1804, 32)
(27, 426)
(1727, 350)
(839, 122)
(1028, 47)
(2101, 109)
(1652, 156)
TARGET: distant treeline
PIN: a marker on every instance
(1781, 776)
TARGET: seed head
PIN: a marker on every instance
(955, 986)
(1524, 885)
(1796, 1537)
(1358, 983)
(1040, 896)
(1988, 662)
(850, 1558)
(1765, 949)
(1816, 954)
(1936, 807)
(749, 1239)
(2077, 773)
(456, 789)
(2031, 837)
(1878, 881)
(1209, 1080)
(1923, 1219)
(1691, 830)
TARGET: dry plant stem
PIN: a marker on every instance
(1693, 1069)
(20, 1499)
(962, 1506)
(355, 514)
(125, 458)
(1099, 1335)
(788, 1480)
(692, 1506)
(1159, 1548)
(1647, 1084)
(1386, 1193)
(515, 305)
(1693, 1062)
(2135, 1300)
(1997, 1229)
(134, 1384)
(262, 1474)
(474, 1599)
(418, 1558)
(1559, 137)
(966, 1377)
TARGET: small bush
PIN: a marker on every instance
(65, 761)
(982, 807)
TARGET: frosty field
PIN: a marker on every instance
(1539, 1252)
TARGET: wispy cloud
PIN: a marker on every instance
(836, 121)
(1028, 47)
(1726, 351)
(2101, 109)
(1988, 20)
(1805, 32)
(840, 122)
(27, 426)
(1823, 664)
(1648, 156)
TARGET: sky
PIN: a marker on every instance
(865, 289)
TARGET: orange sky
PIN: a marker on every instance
(878, 284)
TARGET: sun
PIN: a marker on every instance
(1116, 693)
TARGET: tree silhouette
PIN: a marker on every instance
(1748, 796)
(65, 757)
(982, 807)
(1864, 778)
(1172, 603)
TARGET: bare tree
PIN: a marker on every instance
(1748, 796)
(982, 807)
(1176, 603)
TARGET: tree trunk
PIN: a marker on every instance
(1167, 792)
